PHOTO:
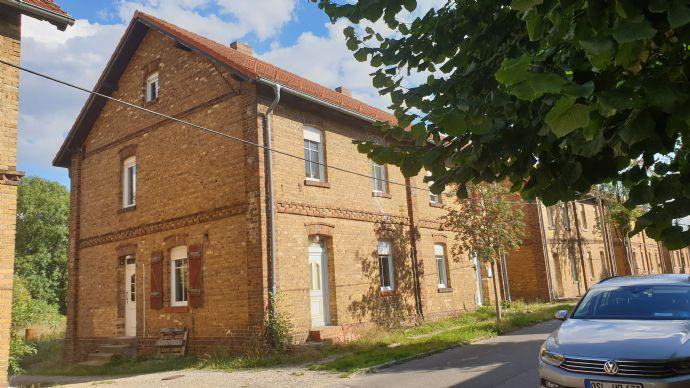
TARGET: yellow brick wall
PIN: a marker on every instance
(9, 83)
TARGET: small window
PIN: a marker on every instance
(179, 276)
(313, 154)
(152, 87)
(591, 263)
(441, 265)
(434, 199)
(380, 179)
(583, 214)
(129, 182)
(573, 268)
(385, 265)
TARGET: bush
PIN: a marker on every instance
(278, 327)
(27, 311)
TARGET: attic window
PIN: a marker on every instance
(152, 87)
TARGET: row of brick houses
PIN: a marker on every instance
(171, 226)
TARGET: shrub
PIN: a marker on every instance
(278, 327)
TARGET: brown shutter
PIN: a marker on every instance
(157, 280)
(195, 276)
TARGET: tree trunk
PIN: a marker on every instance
(498, 307)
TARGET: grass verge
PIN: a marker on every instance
(374, 349)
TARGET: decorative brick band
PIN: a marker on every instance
(161, 226)
(304, 209)
(10, 177)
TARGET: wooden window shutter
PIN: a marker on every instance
(157, 280)
(195, 296)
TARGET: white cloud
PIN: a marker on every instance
(234, 19)
(326, 60)
(47, 110)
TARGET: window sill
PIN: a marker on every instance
(313, 183)
(445, 290)
(381, 194)
(389, 292)
(176, 309)
(435, 204)
(127, 209)
(151, 102)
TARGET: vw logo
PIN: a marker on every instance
(611, 367)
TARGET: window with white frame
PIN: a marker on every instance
(152, 87)
(380, 179)
(441, 265)
(385, 255)
(129, 182)
(179, 276)
(434, 199)
(313, 154)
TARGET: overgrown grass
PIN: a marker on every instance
(432, 336)
(376, 348)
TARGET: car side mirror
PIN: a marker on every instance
(561, 315)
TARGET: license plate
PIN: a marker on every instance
(611, 384)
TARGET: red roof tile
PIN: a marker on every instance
(48, 5)
(255, 68)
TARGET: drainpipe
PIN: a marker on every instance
(269, 188)
(545, 248)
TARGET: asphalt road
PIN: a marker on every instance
(509, 361)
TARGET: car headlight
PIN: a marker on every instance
(681, 367)
(551, 358)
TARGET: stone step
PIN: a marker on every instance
(99, 355)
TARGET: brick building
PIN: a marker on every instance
(171, 226)
(568, 248)
(10, 39)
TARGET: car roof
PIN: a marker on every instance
(665, 279)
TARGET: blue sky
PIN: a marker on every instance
(292, 34)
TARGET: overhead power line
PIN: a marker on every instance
(218, 133)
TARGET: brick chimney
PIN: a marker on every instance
(241, 47)
(344, 90)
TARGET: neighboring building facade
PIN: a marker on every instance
(171, 226)
(10, 38)
(568, 248)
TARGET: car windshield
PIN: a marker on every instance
(651, 302)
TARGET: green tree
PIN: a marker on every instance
(488, 225)
(41, 245)
(553, 95)
(621, 218)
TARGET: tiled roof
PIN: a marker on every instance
(48, 5)
(252, 67)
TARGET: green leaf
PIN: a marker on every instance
(535, 25)
(678, 14)
(361, 54)
(567, 116)
(658, 6)
(628, 54)
(630, 31)
(599, 50)
(411, 166)
(454, 123)
(536, 85)
(410, 5)
(513, 70)
(524, 5)
(640, 128)
(575, 90)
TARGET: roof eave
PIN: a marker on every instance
(58, 20)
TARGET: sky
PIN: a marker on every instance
(293, 34)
